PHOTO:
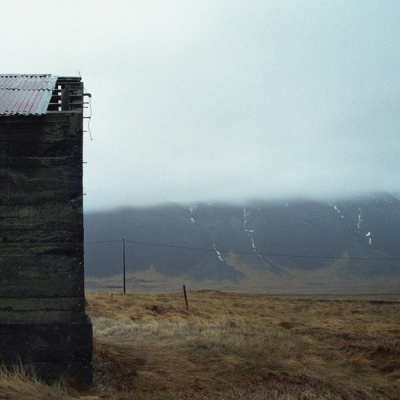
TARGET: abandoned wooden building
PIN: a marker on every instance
(42, 306)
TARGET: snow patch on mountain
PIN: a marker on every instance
(246, 215)
(359, 221)
(218, 253)
(192, 209)
(368, 235)
(338, 211)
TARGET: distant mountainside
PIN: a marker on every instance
(229, 242)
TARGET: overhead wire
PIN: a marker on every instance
(248, 252)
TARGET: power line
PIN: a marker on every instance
(105, 241)
(251, 253)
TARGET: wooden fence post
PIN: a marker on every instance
(186, 300)
(123, 258)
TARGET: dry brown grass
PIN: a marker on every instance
(331, 279)
(233, 346)
(18, 383)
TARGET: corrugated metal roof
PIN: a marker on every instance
(25, 94)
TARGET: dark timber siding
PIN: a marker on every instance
(41, 242)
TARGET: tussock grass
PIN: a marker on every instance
(231, 346)
(19, 383)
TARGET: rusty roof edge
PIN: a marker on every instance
(30, 98)
(44, 103)
(26, 81)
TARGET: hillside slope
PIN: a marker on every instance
(229, 242)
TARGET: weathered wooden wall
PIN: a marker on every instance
(42, 309)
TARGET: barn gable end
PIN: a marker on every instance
(42, 308)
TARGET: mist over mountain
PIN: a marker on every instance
(353, 239)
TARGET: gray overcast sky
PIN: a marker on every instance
(223, 100)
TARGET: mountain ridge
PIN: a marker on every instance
(222, 242)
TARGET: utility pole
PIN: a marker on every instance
(123, 260)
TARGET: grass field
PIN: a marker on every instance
(332, 279)
(232, 346)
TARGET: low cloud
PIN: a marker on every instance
(206, 101)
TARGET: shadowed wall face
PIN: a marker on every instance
(42, 309)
